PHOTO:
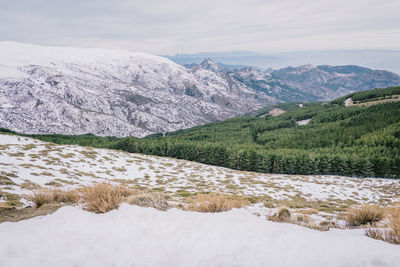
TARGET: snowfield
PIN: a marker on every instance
(135, 236)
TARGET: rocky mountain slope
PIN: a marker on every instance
(306, 82)
(108, 92)
(119, 93)
(328, 82)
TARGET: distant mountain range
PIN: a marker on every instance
(374, 59)
(118, 93)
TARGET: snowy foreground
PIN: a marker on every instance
(136, 236)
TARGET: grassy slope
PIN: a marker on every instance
(363, 141)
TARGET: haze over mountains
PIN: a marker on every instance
(119, 93)
(374, 59)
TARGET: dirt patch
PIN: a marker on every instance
(276, 112)
(15, 215)
(395, 98)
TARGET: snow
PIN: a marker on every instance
(44, 163)
(303, 122)
(106, 92)
(21, 54)
(135, 236)
(347, 102)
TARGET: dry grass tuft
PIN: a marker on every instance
(301, 218)
(394, 220)
(215, 202)
(103, 197)
(386, 235)
(282, 215)
(4, 205)
(364, 215)
(45, 196)
(154, 200)
(392, 234)
(67, 197)
(42, 196)
(29, 185)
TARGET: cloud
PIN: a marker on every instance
(177, 26)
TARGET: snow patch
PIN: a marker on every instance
(135, 236)
(303, 122)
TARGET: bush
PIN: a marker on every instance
(154, 200)
(364, 215)
(103, 197)
(215, 202)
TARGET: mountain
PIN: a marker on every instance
(374, 59)
(329, 82)
(306, 82)
(68, 90)
(107, 92)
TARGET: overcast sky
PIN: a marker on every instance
(186, 26)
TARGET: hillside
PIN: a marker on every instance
(111, 92)
(308, 138)
(65, 90)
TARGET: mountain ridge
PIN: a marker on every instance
(120, 93)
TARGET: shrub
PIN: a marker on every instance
(154, 200)
(364, 215)
(103, 197)
(215, 202)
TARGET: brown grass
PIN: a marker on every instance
(14, 215)
(301, 218)
(4, 205)
(395, 221)
(154, 200)
(392, 234)
(103, 197)
(45, 196)
(282, 215)
(215, 202)
(364, 215)
(29, 185)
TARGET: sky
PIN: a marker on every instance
(187, 26)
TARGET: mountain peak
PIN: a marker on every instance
(209, 64)
(306, 67)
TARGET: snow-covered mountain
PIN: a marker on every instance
(108, 92)
(329, 82)
(306, 82)
(119, 93)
